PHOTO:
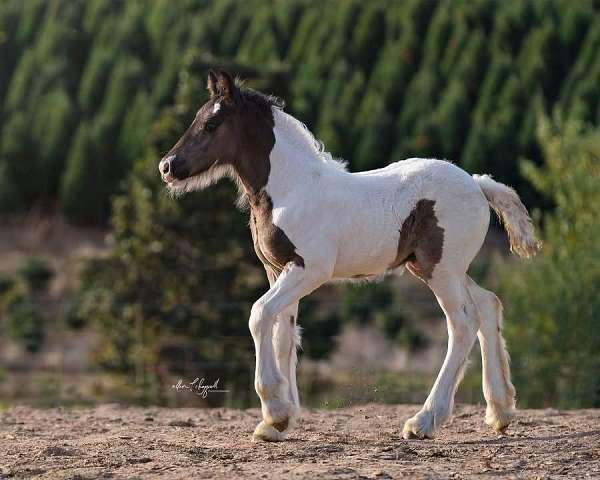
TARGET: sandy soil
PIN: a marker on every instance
(360, 442)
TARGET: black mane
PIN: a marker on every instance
(260, 99)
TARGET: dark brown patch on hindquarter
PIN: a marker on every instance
(421, 240)
(271, 244)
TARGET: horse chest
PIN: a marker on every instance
(273, 247)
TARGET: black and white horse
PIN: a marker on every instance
(312, 221)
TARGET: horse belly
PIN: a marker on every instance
(369, 228)
(366, 253)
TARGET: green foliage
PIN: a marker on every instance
(51, 131)
(362, 301)
(94, 78)
(23, 322)
(377, 81)
(20, 314)
(84, 185)
(319, 328)
(73, 313)
(376, 304)
(369, 34)
(10, 200)
(36, 272)
(6, 283)
(552, 305)
(134, 131)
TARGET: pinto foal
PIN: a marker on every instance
(312, 221)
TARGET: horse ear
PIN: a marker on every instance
(227, 86)
(212, 84)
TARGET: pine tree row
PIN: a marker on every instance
(82, 82)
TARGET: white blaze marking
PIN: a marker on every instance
(217, 107)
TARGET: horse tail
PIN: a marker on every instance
(512, 214)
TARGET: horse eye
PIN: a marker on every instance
(210, 126)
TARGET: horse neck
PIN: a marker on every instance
(294, 159)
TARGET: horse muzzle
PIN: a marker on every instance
(173, 168)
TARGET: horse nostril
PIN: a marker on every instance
(165, 167)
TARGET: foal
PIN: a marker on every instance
(312, 221)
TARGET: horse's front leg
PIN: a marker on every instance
(286, 341)
(272, 386)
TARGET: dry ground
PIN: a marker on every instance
(359, 442)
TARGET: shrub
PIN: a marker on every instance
(72, 313)
(23, 322)
(552, 304)
(36, 272)
(6, 283)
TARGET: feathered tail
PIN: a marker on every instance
(513, 215)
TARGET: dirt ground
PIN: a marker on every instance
(360, 442)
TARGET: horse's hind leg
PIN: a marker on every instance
(461, 316)
(497, 388)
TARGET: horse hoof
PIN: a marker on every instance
(418, 427)
(499, 419)
(268, 433)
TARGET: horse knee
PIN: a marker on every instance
(254, 322)
(259, 312)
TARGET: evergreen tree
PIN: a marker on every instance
(84, 186)
(94, 79)
(51, 132)
(451, 119)
(229, 38)
(259, 44)
(126, 78)
(18, 155)
(21, 82)
(463, 80)
(368, 35)
(96, 13)
(9, 46)
(165, 81)
(581, 70)
(474, 157)
(10, 197)
(30, 19)
(135, 129)
(553, 311)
